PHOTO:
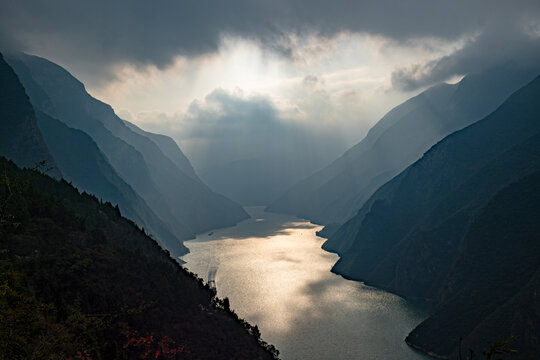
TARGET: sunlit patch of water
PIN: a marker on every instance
(276, 275)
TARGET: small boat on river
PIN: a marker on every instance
(212, 285)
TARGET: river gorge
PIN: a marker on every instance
(275, 274)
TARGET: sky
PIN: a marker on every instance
(210, 73)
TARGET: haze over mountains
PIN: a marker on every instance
(261, 180)
(335, 193)
(247, 151)
(169, 148)
(146, 174)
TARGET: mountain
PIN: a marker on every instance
(257, 181)
(20, 138)
(169, 148)
(81, 282)
(491, 291)
(83, 164)
(256, 169)
(86, 167)
(185, 204)
(414, 234)
(124, 158)
(335, 193)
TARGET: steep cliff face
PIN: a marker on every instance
(491, 291)
(185, 204)
(334, 194)
(83, 164)
(20, 139)
(421, 215)
(86, 167)
(169, 148)
(188, 198)
(65, 101)
(414, 235)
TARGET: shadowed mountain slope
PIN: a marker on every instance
(335, 193)
(170, 148)
(184, 203)
(490, 293)
(83, 164)
(414, 232)
(124, 158)
(20, 139)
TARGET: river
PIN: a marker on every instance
(275, 274)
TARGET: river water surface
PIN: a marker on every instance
(276, 275)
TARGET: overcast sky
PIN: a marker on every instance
(193, 68)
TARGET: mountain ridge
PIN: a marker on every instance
(335, 193)
(20, 139)
(411, 233)
(85, 166)
(180, 200)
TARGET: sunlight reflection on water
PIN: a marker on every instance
(276, 275)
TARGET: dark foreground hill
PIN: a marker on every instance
(79, 281)
(414, 235)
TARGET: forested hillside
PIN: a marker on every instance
(79, 281)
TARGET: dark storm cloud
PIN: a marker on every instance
(90, 36)
(153, 32)
(489, 49)
(137, 31)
